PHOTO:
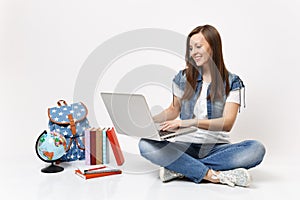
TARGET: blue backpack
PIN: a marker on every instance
(70, 121)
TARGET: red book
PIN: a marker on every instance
(95, 175)
(112, 137)
(93, 132)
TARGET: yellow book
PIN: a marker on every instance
(99, 146)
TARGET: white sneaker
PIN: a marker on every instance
(166, 175)
(239, 177)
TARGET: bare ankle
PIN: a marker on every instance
(211, 176)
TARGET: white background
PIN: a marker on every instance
(43, 45)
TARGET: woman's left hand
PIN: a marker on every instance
(173, 124)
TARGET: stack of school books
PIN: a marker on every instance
(96, 172)
(97, 142)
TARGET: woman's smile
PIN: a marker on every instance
(197, 58)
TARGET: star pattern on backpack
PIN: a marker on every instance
(60, 123)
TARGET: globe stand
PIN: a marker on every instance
(52, 169)
(49, 157)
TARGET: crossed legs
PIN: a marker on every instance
(202, 161)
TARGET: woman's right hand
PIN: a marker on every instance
(172, 124)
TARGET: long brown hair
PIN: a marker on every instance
(219, 73)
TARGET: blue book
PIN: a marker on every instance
(105, 150)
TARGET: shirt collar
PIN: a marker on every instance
(199, 77)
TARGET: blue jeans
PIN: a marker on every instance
(194, 160)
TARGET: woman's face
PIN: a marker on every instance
(200, 50)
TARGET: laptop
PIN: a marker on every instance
(131, 116)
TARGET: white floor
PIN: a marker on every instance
(21, 179)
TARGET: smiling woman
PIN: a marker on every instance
(205, 95)
(199, 49)
(204, 48)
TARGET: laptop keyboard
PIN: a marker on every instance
(164, 133)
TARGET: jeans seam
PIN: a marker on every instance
(225, 150)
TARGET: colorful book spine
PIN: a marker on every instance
(101, 171)
(107, 150)
(87, 147)
(95, 174)
(99, 146)
(104, 143)
(97, 142)
(93, 146)
(112, 137)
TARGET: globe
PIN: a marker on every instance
(50, 147)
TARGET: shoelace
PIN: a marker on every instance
(228, 182)
(223, 179)
(167, 175)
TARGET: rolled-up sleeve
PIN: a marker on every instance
(236, 84)
(177, 85)
(236, 87)
(176, 90)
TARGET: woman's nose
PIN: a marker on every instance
(193, 52)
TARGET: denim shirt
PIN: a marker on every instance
(215, 108)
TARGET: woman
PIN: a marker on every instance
(205, 95)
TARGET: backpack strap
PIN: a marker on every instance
(77, 143)
(69, 146)
(59, 103)
(72, 124)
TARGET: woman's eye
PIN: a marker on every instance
(199, 47)
(191, 49)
